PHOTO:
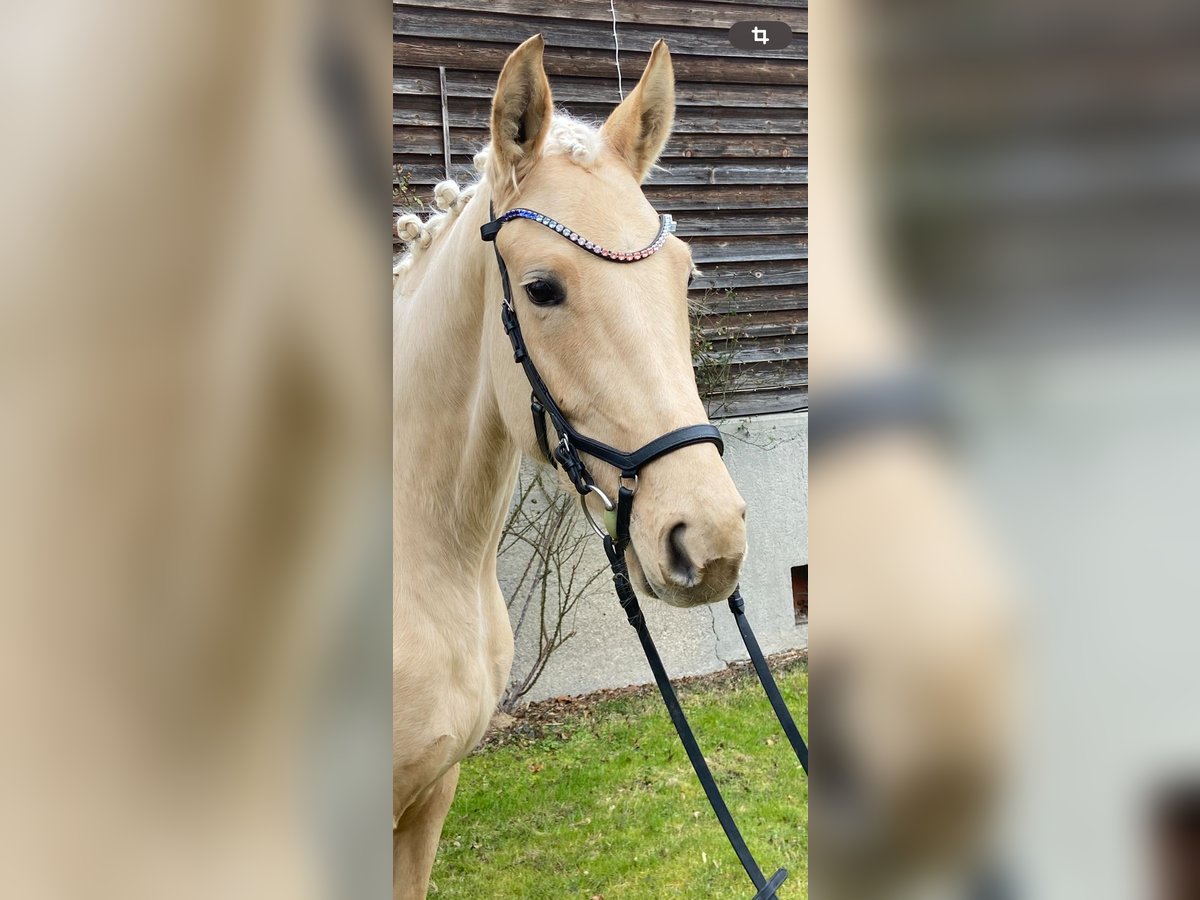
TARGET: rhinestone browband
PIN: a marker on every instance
(666, 226)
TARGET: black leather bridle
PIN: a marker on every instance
(566, 452)
(542, 404)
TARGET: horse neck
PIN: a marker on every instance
(454, 463)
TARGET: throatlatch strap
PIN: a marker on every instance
(782, 713)
(629, 602)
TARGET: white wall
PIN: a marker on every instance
(768, 458)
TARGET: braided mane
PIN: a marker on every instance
(568, 136)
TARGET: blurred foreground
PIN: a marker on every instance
(193, 369)
(1006, 198)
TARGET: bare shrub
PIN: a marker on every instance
(542, 532)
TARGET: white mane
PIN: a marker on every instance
(568, 136)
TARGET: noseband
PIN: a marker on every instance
(570, 444)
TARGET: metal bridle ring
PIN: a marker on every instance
(634, 478)
(609, 506)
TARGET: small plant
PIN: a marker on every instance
(716, 373)
(403, 195)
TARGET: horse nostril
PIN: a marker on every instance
(680, 566)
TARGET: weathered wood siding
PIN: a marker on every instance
(736, 168)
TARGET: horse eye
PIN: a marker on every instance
(544, 293)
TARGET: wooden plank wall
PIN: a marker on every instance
(736, 168)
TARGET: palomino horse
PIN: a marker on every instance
(612, 343)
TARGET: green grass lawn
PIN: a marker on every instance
(597, 800)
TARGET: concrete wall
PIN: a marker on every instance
(768, 458)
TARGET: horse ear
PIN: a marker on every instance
(521, 113)
(638, 129)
